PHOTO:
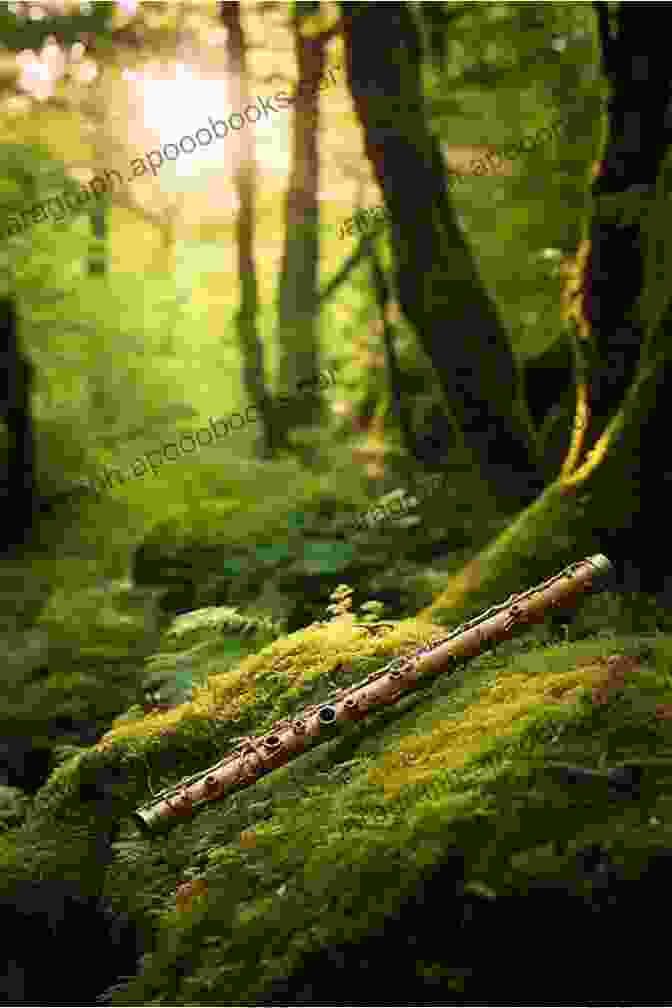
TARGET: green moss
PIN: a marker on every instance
(340, 835)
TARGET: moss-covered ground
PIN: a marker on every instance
(322, 854)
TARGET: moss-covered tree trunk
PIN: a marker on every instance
(570, 520)
(618, 499)
(439, 288)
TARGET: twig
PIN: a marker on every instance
(349, 264)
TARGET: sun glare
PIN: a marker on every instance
(177, 101)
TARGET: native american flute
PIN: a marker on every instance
(285, 740)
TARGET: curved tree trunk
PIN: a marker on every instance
(583, 514)
(615, 499)
(439, 288)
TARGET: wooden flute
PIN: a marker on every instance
(285, 740)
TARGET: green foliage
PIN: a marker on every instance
(20, 33)
(341, 599)
(494, 52)
(206, 624)
(94, 332)
(201, 642)
(93, 389)
(77, 669)
(14, 806)
(327, 557)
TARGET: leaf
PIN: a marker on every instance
(296, 519)
(273, 553)
(327, 557)
(231, 567)
(183, 679)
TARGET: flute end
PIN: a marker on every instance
(150, 822)
(604, 570)
(143, 823)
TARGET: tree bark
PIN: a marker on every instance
(613, 500)
(251, 348)
(401, 406)
(640, 131)
(574, 517)
(439, 288)
(98, 255)
(298, 296)
(16, 375)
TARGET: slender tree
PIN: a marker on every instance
(396, 379)
(251, 348)
(298, 294)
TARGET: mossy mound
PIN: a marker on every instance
(321, 855)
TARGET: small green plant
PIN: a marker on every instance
(371, 612)
(341, 604)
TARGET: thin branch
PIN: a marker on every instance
(608, 43)
(383, 298)
(349, 264)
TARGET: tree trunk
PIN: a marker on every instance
(16, 374)
(298, 297)
(613, 500)
(439, 288)
(640, 131)
(574, 517)
(98, 256)
(251, 348)
(401, 406)
(436, 22)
